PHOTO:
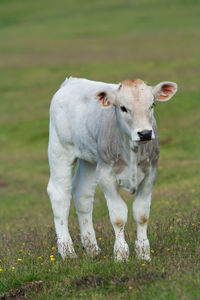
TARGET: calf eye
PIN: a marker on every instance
(123, 108)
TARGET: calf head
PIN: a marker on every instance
(134, 106)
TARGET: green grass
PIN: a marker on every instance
(41, 43)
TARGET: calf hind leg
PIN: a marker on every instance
(59, 189)
(84, 184)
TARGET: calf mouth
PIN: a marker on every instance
(145, 140)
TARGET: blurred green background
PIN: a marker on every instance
(41, 43)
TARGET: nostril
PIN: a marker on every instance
(140, 134)
(145, 134)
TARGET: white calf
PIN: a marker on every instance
(111, 130)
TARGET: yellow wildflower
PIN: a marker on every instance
(152, 251)
(51, 255)
(13, 268)
(99, 238)
(105, 256)
(143, 265)
(52, 259)
(168, 249)
(53, 248)
(1, 270)
(130, 287)
(19, 259)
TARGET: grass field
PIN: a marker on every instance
(42, 42)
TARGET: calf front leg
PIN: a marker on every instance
(141, 211)
(117, 210)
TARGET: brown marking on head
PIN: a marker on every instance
(143, 220)
(119, 223)
(132, 83)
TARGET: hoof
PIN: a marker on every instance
(121, 251)
(93, 251)
(91, 248)
(142, 250)
(66, 250)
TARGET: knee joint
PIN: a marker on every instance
(119, 222)
(84, 205)
(142, 219)
(141, 216)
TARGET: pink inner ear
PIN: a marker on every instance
(102, 99)
(167, 89)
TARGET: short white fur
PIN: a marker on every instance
(87, 123)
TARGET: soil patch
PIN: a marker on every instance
(18, 294)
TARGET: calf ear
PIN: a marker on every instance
(105, 98)
(164, 90)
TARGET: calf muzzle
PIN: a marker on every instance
(145, 135)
